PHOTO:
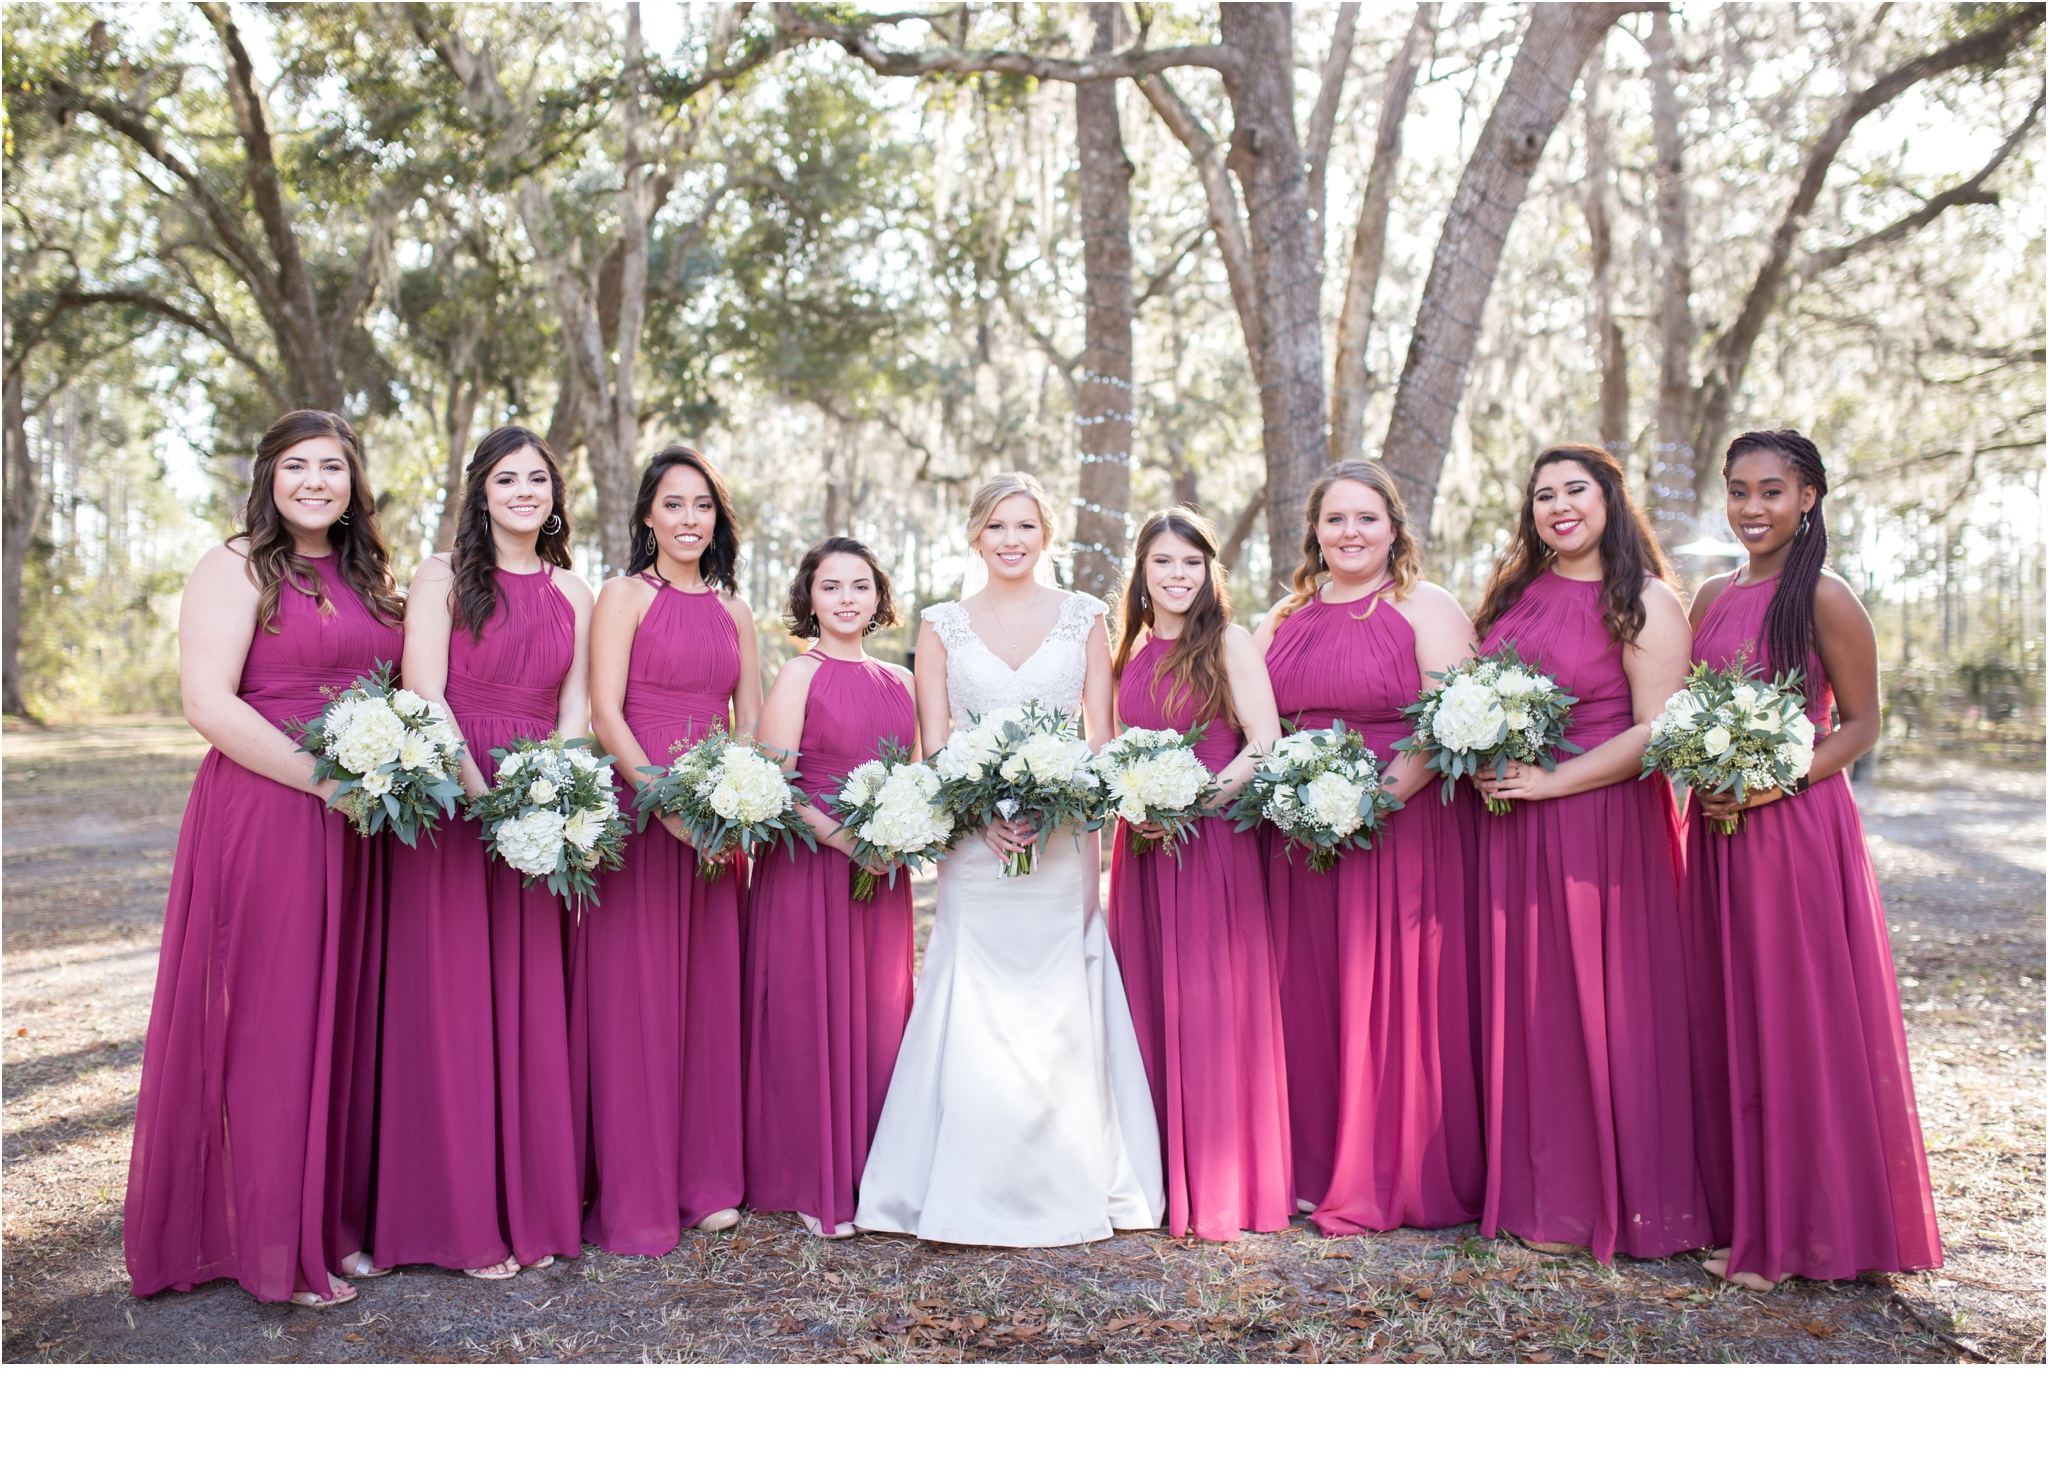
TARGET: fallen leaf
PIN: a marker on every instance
(1459, 1278)
(1179, 1325)
(1425, 1293)
(1027, 1330)
(1194, 1296)
(1120, 1323)
(351, 1338)
(1818, 1329)
(1537, 1358)
(977, 1321)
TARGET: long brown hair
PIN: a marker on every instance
(719, 564)
(359, 554)
(1404, 560)
(1195, 664)
(476, 552)
(1628, 550)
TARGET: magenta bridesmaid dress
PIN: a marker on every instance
(656, 989)
(269, 955)
(1378, 993)
(1811, 1140)
(476, 1159)
(1588, 1076)
(1191, 938)
(828, 977)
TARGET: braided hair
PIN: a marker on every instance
(1789, 640)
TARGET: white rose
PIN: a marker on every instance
(514, 761)
(1717, 741)
(1745, 696)
(408, 702)
(580, 758)
(532, 844)
(541, 791)
(376, 785)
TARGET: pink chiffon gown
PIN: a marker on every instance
(828, 977)
(1191, 938)
(239, 1168)
(1588, 1075)
(1811, 1140)
(1378, 992)
(476, 1161)
(656, 1005)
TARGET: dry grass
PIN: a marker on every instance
(1959, 853)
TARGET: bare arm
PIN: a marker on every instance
(616, 622)
(572, 704)
(1251, 692)
(1708, 593)
(216, 626)
(746, 698)
(429, 623)
(1655, 667)
(934, 703)
(1098, 691)
(1443, 638)
(1268, 628)
(903, 674)
(781, 730)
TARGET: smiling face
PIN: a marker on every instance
(1175, 572)
(683, 515)
(1013, 539)
(1354, 531)
(520, 493)
(1570, 508)
(844, 596)
(310, 486)
(1765, 501)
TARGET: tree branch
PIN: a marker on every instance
(1225, 220)
(1322, 122)
(792, 22)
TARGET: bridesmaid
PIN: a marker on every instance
(656, 1020)
(270, 933)
(1190, 933)
(828, 977)
(1589, 1120)
(476, 1160)
(1815, 1161)
(1377, 990)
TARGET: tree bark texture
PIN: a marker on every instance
(1266, 157)
(1105, 397)
(1496, 178)
(1608, 343)
(1674, 471)
(1351, 382)
(23, 515)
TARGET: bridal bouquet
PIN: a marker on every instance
(1322, 790)
(552, 813)
(1153, 774)
(889, 806)
(394, 754)
(1025, 763)
(730, 797)
(1485, 713)
(1729, 732)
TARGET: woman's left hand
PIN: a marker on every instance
(1522, 781)
(1725, 806)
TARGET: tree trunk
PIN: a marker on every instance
(1105, 395)
(1496, 178)
(23, 514)
(1674, 471)
(1607, 339)
(1351, 383)
(455, 425)
(1265, 154)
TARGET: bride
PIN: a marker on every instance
(1019, 1114)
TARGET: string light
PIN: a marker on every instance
(1123, 458)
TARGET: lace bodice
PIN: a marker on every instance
(978, 680)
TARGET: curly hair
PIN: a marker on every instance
(359, 552)
(799, 615)
(1404, 559)
(476, 549)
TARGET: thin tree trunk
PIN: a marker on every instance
(1674, 471)
(1265, 154)
(455, 425)
(1607, 338)
(1495, 180)
(23, 514)
(1104, 395)
(1351, 382)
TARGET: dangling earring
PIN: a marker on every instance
(653, 545)
(348, 515)
(1805, 523)
(1144, 600)
(874, 625)
(552, 525)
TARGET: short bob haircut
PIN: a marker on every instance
(798, 614)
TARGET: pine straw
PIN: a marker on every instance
(1958, 851)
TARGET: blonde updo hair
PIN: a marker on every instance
(1404, 561)
(982, 507)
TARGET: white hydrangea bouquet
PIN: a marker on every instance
(889, 806)
(1025, 763)
(730, 797)
(1153, 774)
(394, 755)
(1732, 733)
(1321, 789)
(552, 813)
(1486, 713)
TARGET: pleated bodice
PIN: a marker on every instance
(852, 708)
(1556, 627)
(507, 682)
(1147, 698)
(1339, 662)
(285, 670)
(1732, 632)
(685, 665)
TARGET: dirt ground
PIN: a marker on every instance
(90, 821)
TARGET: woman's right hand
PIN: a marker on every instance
(675, 827)
(1008, 837)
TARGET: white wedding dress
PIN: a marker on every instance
(1018, 1115)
